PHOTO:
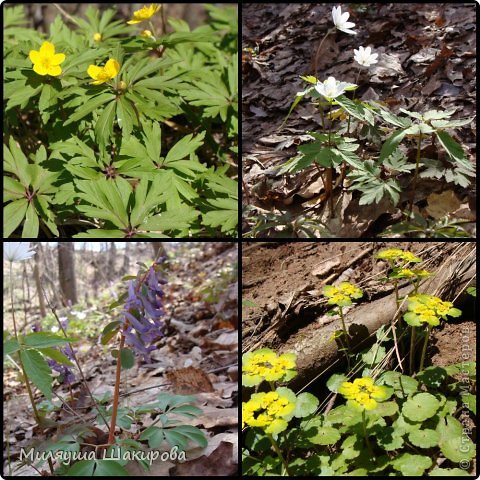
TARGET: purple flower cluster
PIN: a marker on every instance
(143, 311)
(66, 373)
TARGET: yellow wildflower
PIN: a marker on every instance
(363, 393)
(103, 74)
(146, 34)
(97, 37)
(46, 61)
(144, 13)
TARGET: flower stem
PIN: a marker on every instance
(317, 53)
(116, 394)
(424, 349)
(279, 453)
(412, 347)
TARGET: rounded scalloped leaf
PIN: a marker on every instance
(425, 438)
(453, 443)
(402, 425)
(448, 472)
(374, 356)
(412, 319)
(454, 312)
(288, 375)
(351, 447)
(251, 380)
(403, 385)
(344, 415)
(334, 382)
(384, 409)
(411, 465)
(420, 407)
(388, 438)
(306, 405)
(325, 436)
(432, 377)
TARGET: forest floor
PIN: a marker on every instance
(198, 356)
(427, 61)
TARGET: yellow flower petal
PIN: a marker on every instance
(112, 67)
(54, 70)
(57, 59)
(47, 49)
(94, 71)
(34, 56)
(40, 69)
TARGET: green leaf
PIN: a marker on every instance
(420, 407)
(171, 220)
(37, 371)
(45, 339)
(125, 115)
(89, 107)
(110, 331)
(56, 355)
(13, 215)
(10, 346)
(184, 147)
(306, 404)
(355, 109)
(127, 358)
(104, 125)
(391, 144)
(31, 225)
(454, 443)
(193, 433)
(454, 150)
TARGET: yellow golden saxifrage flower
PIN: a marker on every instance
(144, 13)
(392, 254)
(97, 37)
(46, 61)
(362, 393)
(103, 74)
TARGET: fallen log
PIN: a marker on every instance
(315, 350)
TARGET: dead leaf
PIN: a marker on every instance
(218, 463)
(441, 204)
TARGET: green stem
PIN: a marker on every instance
(279, 453)
(412, 347)
(353, 97)
(424, 349)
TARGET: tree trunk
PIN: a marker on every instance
(38, 282)
(66, 272)
(126, 260)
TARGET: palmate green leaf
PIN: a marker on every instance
(178, 219)
(126, 116)
(12, 189)
(15, 161)
(22, 96)
(451, 123)
(185, 147)
(355, 109)
(101, 233)
(225, 214)
(391, 143)
(37, 371)
(13, 214)
(146, 199)
(173, 188)
(89, 106)
(110, 199)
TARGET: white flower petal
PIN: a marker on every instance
(17, 251)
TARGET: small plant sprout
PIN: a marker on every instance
(342, 296)
(426, 309)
